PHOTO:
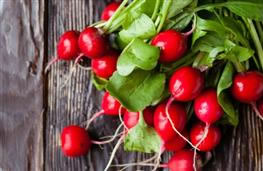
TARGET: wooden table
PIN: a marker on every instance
(34, 108)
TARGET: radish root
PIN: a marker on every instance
(254, 106)
(122, 122)
(111, 139)
(197, 145)
(114, 152)
(94, 117)
(170, 101)
(54, 60)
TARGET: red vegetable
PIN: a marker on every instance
(91, 43)
(172, 43)
(176, 143)
(67, 47)
(186, 83)
(212, 139)
(75, 141)
(109, 10)
(131, 119)
(183, 161)
(105, 66)
(248, 87)
(207, 108)
(110, 105)
(162, 125)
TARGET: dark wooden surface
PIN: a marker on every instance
(29, 140)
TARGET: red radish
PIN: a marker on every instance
(176, 143)
(162, 124)
(207, 108)
(109, 10)
(131, 118)
(172, 43)
(248, 87)
(186, 83)
(75, 141)
(105, 66)
(212, 137)
(92, 43)
(110, 106)
(184, 161)
(67, 47)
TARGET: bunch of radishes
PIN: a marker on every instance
(162, 125)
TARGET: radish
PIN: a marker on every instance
(207, 108)
(162, 125)
(131, 118)
(109, 10)
(110, 106)
(180, 161)
(92, 43)
(177, 143)
(105, 66)
(248, 87)
(75, 141)
(183, 161)
(67, 47)
(186, 83)
(172, 43)
(205, 138)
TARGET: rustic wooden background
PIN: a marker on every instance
(34, 108)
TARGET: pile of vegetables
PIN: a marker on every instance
(173, 71)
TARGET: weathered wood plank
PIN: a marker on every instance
(21, 85)
(241, 149)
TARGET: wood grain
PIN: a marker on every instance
(241, 149)
(21, 85)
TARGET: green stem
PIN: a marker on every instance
(260, 31)
(118, 22)
(156, 9)
(164, 13)
(239, 67)
(116, 14)
(186, 60)
(256, 40)
(209, 6)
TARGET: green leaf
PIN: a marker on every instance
(148, 7)
(98, 82)
(182, 24)
(246, 8)
(224, 83)
(210, 25)
(142, 27)
(138, 90)
(235, 27)
(237, 52)
(177, 6)
(208, 42)
(142, 138)
(137, 54)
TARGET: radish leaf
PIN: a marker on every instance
(138, 90)
(142, 138)
(224, 83)
(137, 54)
